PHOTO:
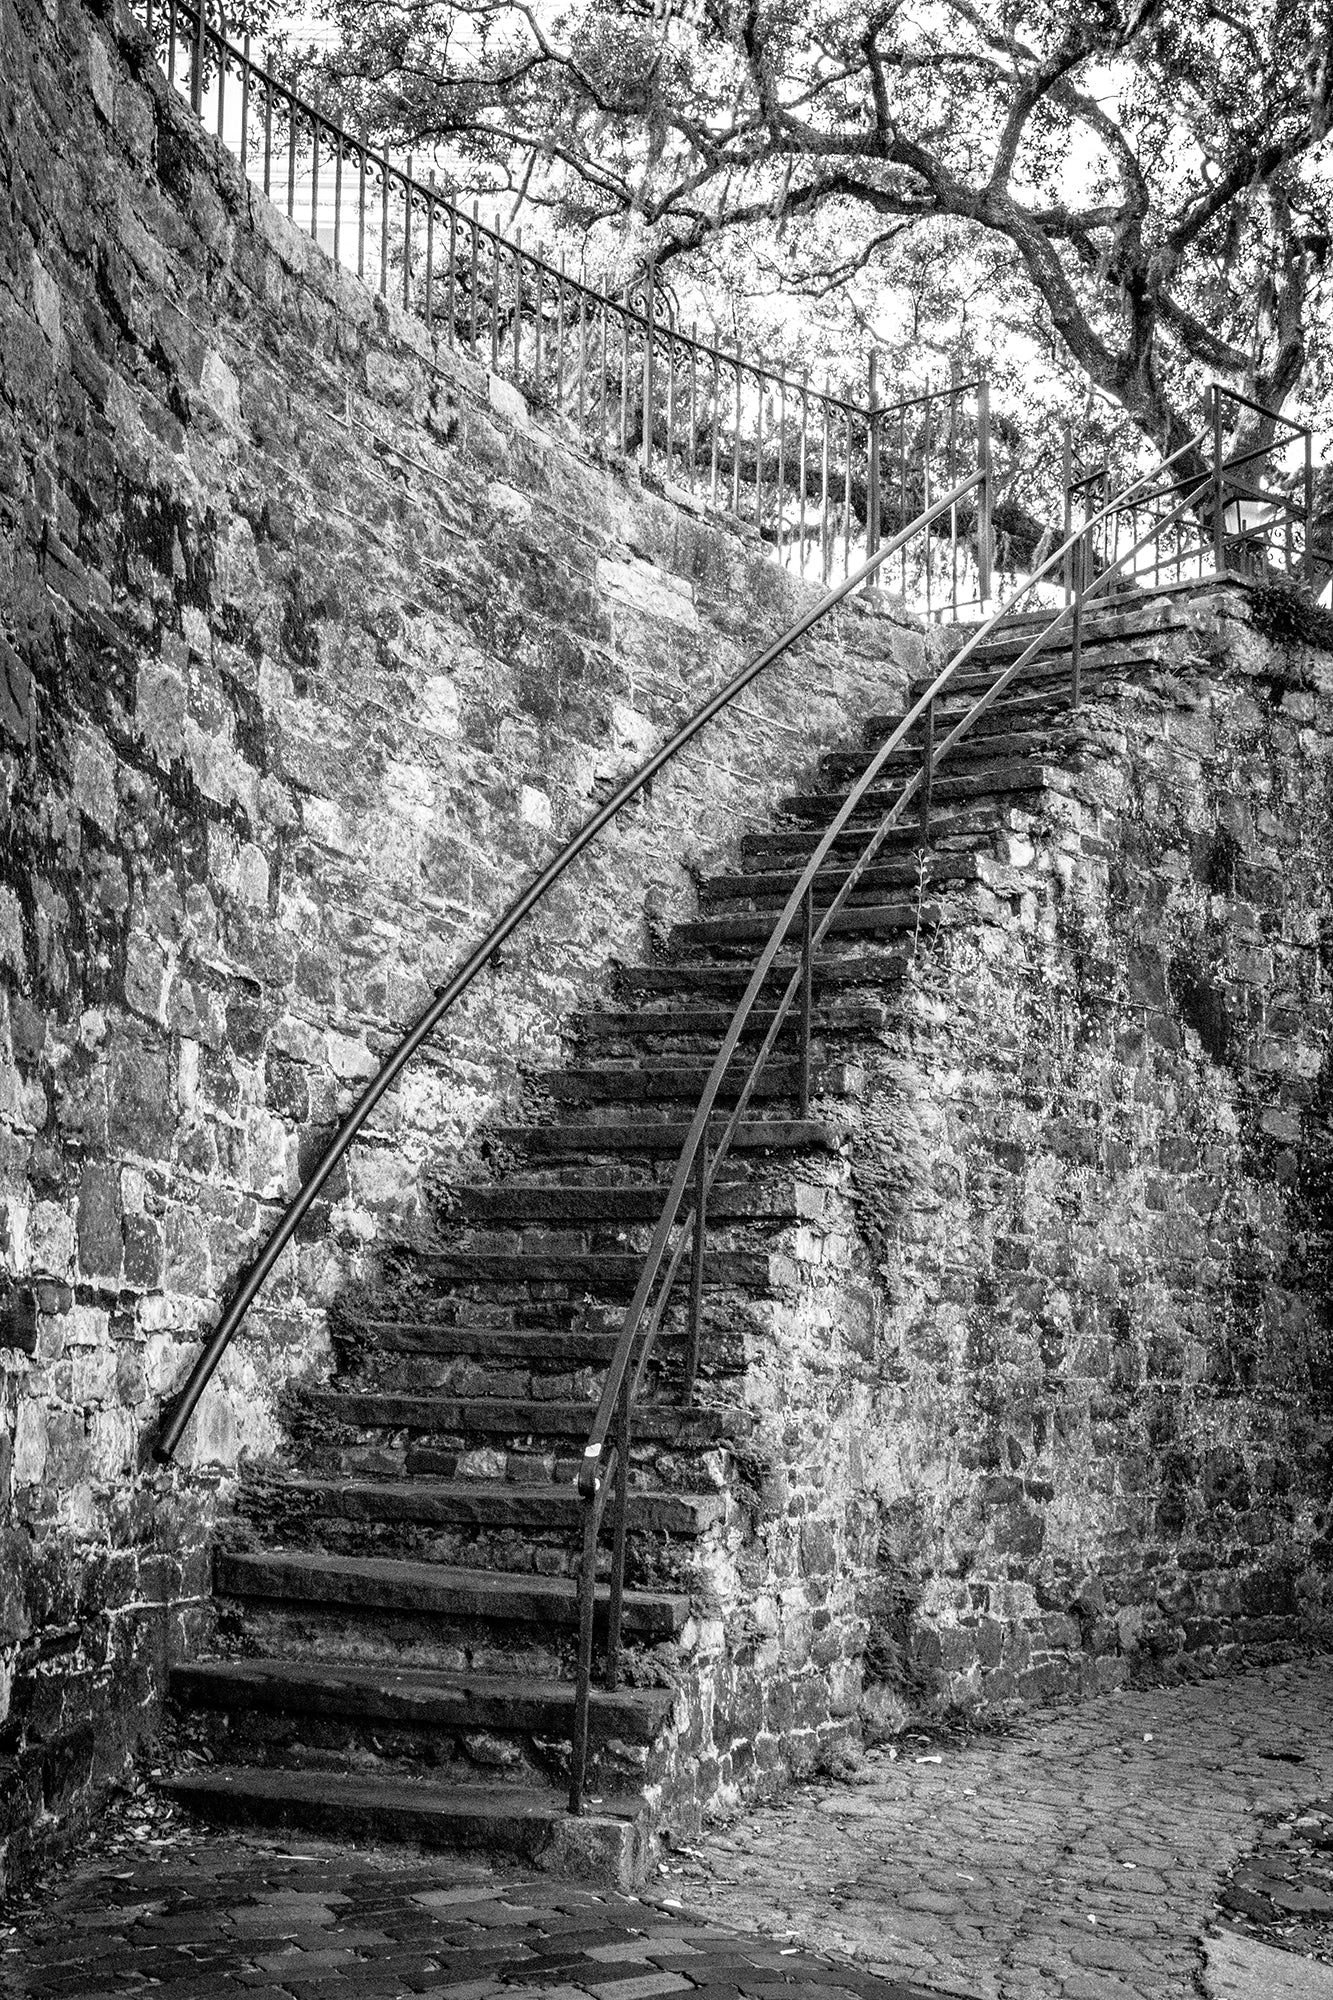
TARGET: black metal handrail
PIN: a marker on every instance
(607, 1452)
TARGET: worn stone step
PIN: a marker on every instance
(994, 781)
(966, 831)
(419, 1699)
(651, 1136)
(599, 1272)
(496, 1416)
(555, 1346)
(383, 1583)
(1048, 670)
(832, 972)
(840, 767)
(828, 1023)
(652, 1082)
(886, 918)
(517, 1203)
(490, 1503)
(1020, 706)
(775, 885)
(604, 1843)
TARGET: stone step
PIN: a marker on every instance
(605, 1843)
(840, 768)
(775, 885)
(1021, 705)
(489, 1503)
(381, 1583)
(518, 1203)
(652, 1082)
(601, 1273)
(883, 918)
(505, 1417)
(828, 1023)
(652, 1136)
(1049, 670)
(419, 1699)
(572, 1347)
(832, 972)
(994, 781)
(966, 830)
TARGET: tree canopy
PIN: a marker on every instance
(1144, 190)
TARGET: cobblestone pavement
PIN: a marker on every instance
(180, 1913)
(1079, 1858)
(1084, 1856)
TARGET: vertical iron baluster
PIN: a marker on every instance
(361, 205)
(695, 1324)
(736, 439)
(715, 447)
(694, 393)
(495, 298)
(906, 508)
(171, 45)
(407, 236)
(649, 357)
(451, 282)
(927, 772)
(620, 1503)
(624, 372)
(339, 144)
(872, 457)
(268, 130)
(782, 460)
(1219, 517)
(804, 440)
(583, 340)
(605, 390)
(1067, 461)
(986, 499)
(222, 88)
(430, 251)
(807, 988)
(583, 1681)
(847, 501)
(291, 157)
(953, 481)
(197, 61)
(148, 16)
(759, 453)
(538, 309)
(384, 223)
(671, 401)
(245, 101)
(825, 538)
(1307, 501)
(314, 178)
(560, 337)
(475, 271)
(518, 301)
(926, 444)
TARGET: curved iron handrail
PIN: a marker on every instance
(640, 1325)
(179, 1407)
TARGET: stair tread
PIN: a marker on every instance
(470, 1802)
(490, 1500)
(525, 1417)
(389, 1582)
(663, 1136)
(499, 1343)
(406, 1690)
(505, 1200)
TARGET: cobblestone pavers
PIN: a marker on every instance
(201, 1916)
(1079, 1858)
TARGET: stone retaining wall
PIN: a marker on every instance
(315, 643)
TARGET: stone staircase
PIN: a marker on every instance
(396, 1610)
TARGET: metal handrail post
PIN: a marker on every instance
(1219, 497)
(985, 497)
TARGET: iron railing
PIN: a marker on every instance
(604, 1473)
(819, 473)
(1256, 517)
